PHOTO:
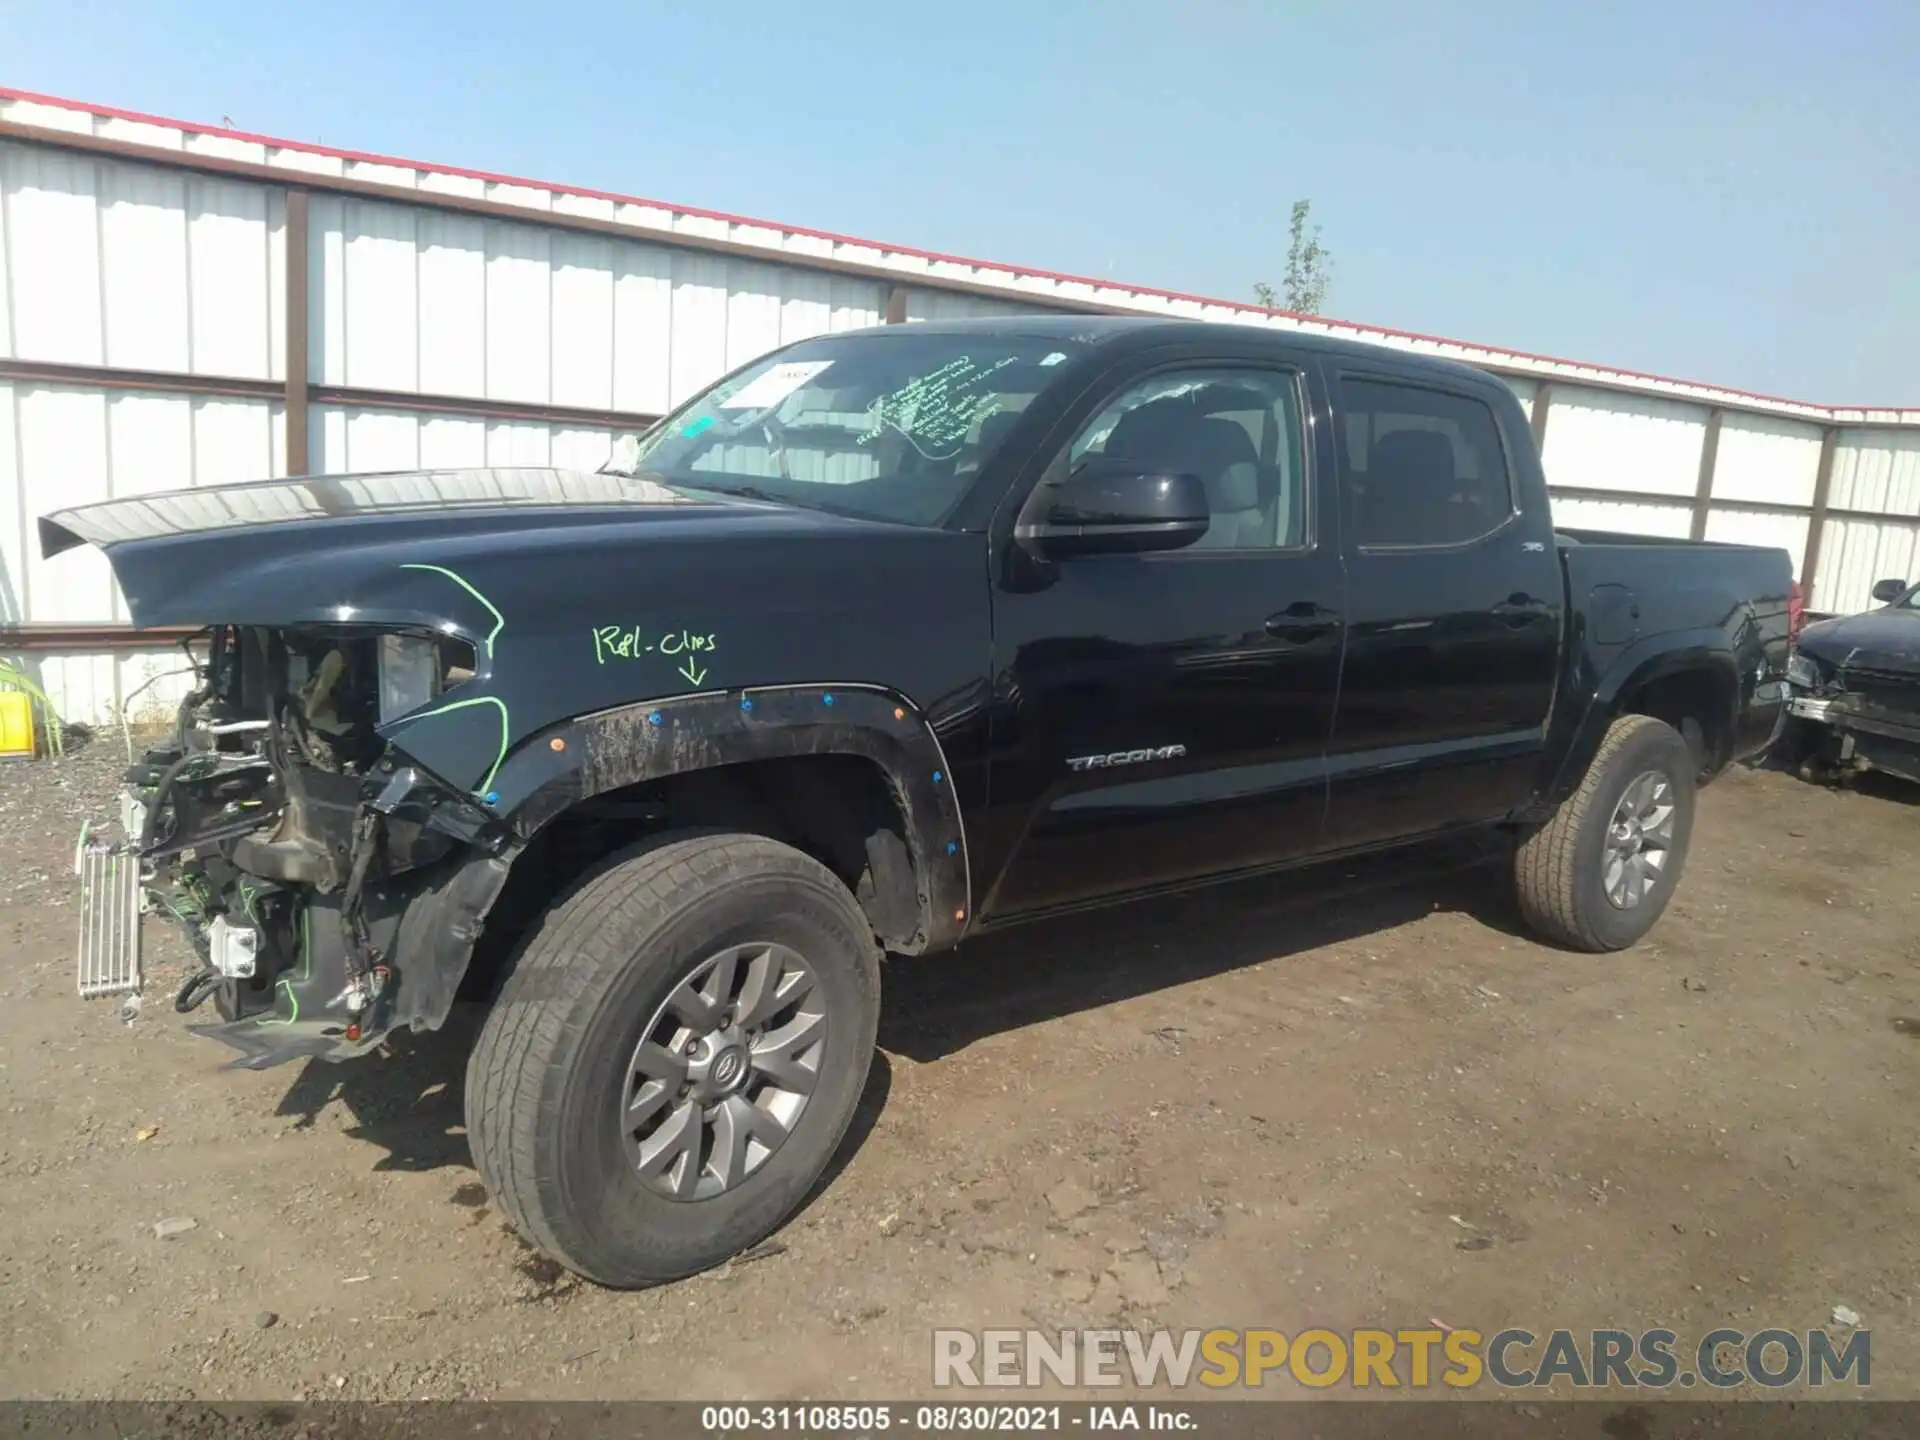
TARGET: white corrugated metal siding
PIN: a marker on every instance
(411, 300)
(1597, 440)
(1856, 553)
(356, 439)
(1767, 460)
(62, 446)
(1636, 517)
(1785, 530)
(110, 261)
(140, 268)
(1873, 470)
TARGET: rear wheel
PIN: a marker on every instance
(1600, 873)
(675, 1057)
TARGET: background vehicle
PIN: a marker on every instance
(889, 638)
(1856, 688)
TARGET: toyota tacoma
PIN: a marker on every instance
(886, 640)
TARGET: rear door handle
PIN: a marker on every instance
(1518, 610)
(1302, 621)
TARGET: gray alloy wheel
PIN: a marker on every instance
(675, 1057)
(1639, 840)
(723, 1071)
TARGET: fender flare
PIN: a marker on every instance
(576, 759)
(1651, 659)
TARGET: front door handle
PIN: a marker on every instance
(1302, 621)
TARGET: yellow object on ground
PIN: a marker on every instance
(16, 725)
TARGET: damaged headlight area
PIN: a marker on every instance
(292, 846)
(1804, 672)
(413, 672)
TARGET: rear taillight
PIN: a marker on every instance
(1796, 610)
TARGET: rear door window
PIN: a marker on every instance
(1420, 467)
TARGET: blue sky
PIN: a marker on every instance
(1725, 190)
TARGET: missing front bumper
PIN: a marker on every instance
(1859, 733)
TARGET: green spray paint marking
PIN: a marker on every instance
(499, 620)
(306, 969)
(499, 624)
(447, 709)
(628, 642)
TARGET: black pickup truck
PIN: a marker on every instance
(885, 640)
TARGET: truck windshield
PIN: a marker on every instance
(889, 427)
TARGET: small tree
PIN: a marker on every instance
(1309, 268)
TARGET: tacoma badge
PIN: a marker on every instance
(1126, 757)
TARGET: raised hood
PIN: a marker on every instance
(331, 547)
(323, 497)
(578, 591)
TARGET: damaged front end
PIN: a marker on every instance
(330, 887)
(1862, 708)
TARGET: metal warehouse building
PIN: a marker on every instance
(182, 305)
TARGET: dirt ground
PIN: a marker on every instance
(1356, 1099)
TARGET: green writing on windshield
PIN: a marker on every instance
(938, 411)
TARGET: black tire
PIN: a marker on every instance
(1559, 868)
(546, 1077)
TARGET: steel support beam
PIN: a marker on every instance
(1703, 486)
(1817, 522)
(1542, 403)
(296, 332)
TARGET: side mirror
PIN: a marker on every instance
(1888, 591)
(1110, 507)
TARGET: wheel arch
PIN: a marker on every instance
(923, 901)
(1672, 678)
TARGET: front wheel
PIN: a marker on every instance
(675, 1057)
(1600, 873)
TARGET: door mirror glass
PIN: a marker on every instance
(1886, 592)
(1112, 506)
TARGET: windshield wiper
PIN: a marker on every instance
(745, 492)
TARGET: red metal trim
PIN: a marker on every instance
(37, 372)
(1058, 277)
(49, 637)
(477, 407)
(47, 372)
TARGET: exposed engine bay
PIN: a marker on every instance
(286, 839)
